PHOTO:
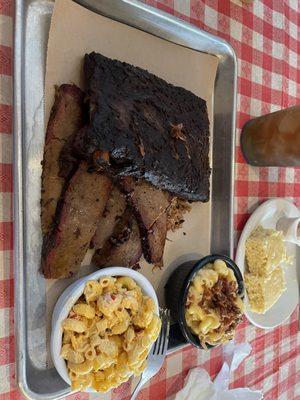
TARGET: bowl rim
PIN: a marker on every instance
(68, 298)
(189, 336)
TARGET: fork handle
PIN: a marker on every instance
(137, 389)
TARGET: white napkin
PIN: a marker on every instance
(198, 385)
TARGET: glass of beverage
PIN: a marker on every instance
(273, 139)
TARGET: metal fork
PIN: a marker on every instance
(157, 354)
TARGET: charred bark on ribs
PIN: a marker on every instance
(144, 127)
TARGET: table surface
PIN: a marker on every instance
(266, 38)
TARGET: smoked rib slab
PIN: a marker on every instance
(65, 120)
(144, 127)
(83, 204)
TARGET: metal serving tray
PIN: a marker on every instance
(36, 380)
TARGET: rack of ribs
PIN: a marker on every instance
(144, 127)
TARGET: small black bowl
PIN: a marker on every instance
(176, 291)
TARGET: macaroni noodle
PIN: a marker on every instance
(108, 334)
(213, 307)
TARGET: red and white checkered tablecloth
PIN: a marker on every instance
(266, 37)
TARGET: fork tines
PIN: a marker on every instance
(161, 344)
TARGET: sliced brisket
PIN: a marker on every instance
(65, 120)
(147, 201)
(150, 208)
(153, 241)
(123, 248)
(83, 204)
(114, 209)
(144, 127)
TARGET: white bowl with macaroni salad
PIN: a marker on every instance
(69, 297)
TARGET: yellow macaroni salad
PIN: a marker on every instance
(213, 307)
(108, 334)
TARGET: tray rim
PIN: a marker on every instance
(214, 46)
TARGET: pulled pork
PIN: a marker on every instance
(222, 297)
(175, 212)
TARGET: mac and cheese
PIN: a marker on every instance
(213, 307)
(108, 334)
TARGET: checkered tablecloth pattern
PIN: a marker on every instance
(266, 38)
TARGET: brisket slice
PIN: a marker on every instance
(147, 201)
(123, 248)
(150, 208)
(65, 120)
(83, 204)
(153, 241)
(114, 209)
(146, 128)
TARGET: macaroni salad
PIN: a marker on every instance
(108, 334)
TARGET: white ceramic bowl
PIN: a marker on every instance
(71, 295)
